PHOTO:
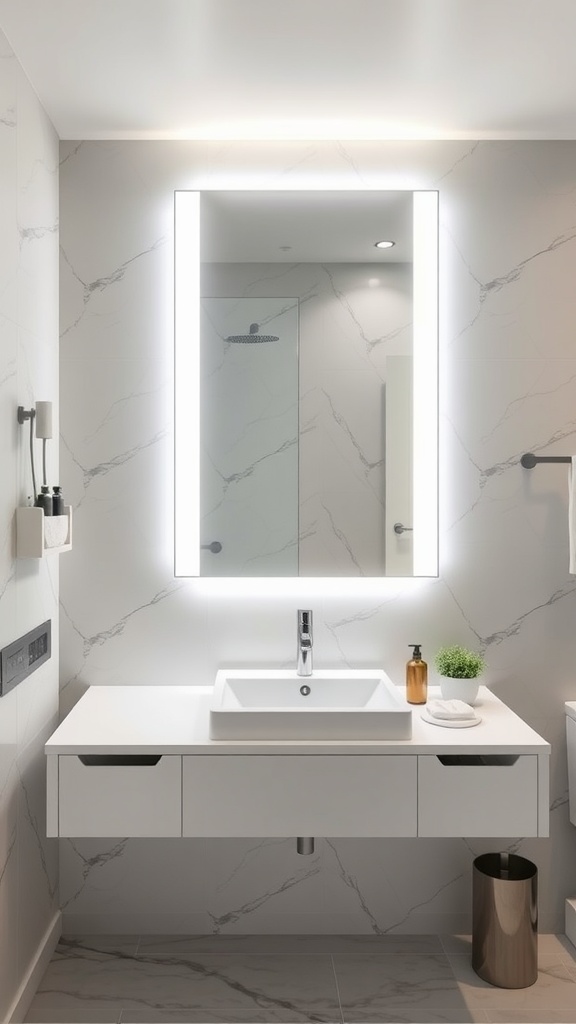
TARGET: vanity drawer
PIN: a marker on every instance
(119, 796)
(478, 795)
(298, 796)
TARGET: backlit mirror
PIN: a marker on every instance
(306, 383)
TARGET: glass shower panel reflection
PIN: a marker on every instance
(249, 437)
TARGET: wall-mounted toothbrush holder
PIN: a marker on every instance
(38, 535)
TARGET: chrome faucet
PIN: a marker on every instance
(304, 642)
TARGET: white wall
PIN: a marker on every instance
(28, 588)
(508, 385)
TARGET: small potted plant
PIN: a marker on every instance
(459, 671)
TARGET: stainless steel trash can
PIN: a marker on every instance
(505, 920)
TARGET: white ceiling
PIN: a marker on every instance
(306, 227)
(260, 69)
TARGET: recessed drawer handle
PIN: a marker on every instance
(117, 760)
(478, 760)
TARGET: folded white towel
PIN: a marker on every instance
(450, 709)
(572, 515)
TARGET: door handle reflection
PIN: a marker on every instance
(399, 528)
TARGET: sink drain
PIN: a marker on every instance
(304, 690)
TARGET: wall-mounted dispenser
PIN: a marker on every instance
(47, 524)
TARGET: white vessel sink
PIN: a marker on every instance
(334, 704)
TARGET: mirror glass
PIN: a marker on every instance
(315, 355)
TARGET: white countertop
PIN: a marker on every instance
(175, 720)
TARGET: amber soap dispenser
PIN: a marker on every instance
(416, 677)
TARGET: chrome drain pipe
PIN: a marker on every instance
(305, 845)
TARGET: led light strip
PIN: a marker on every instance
(187, 383)
(425, 390)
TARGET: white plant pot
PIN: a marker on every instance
(459, 689)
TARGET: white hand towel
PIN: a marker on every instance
(450, 710)
(572, 515)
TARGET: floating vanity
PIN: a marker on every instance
(139, 761)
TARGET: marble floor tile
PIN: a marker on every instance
(290, 945)
(334, 979)
(558, 946)
(257, 1016)
(566, 950)
(456, 945)
(100, 943)
(72, 1013)
(372, 985)
(422, 1016)
(543, 1016)
(555, 988)
(550, 947)
(286, 988)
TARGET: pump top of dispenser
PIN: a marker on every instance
(417, 653)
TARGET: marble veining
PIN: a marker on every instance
(89, 642)
(514, 273)
(100, 284)
(513, 628)
(117, 408)
(8, 118)
(239, 913)
(11, 847)
(34, 233)
(339, 535)
(91, 472)
(461, 159)
(352, 883)
(246, 859)
(340, 979)
(73, 152)
(38, 830)
(368, 464)
(98, 860)
(4, 586)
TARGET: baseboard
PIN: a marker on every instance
(36, 968)
(570, 925)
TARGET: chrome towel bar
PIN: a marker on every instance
(529, 460)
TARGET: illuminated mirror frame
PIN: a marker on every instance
(187, 386)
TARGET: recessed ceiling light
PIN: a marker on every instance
(384, 245)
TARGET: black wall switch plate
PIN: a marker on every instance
(22, 657)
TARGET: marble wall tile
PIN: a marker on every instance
(28, 588)
(507, 386)
(9, 875)
(37, 856)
